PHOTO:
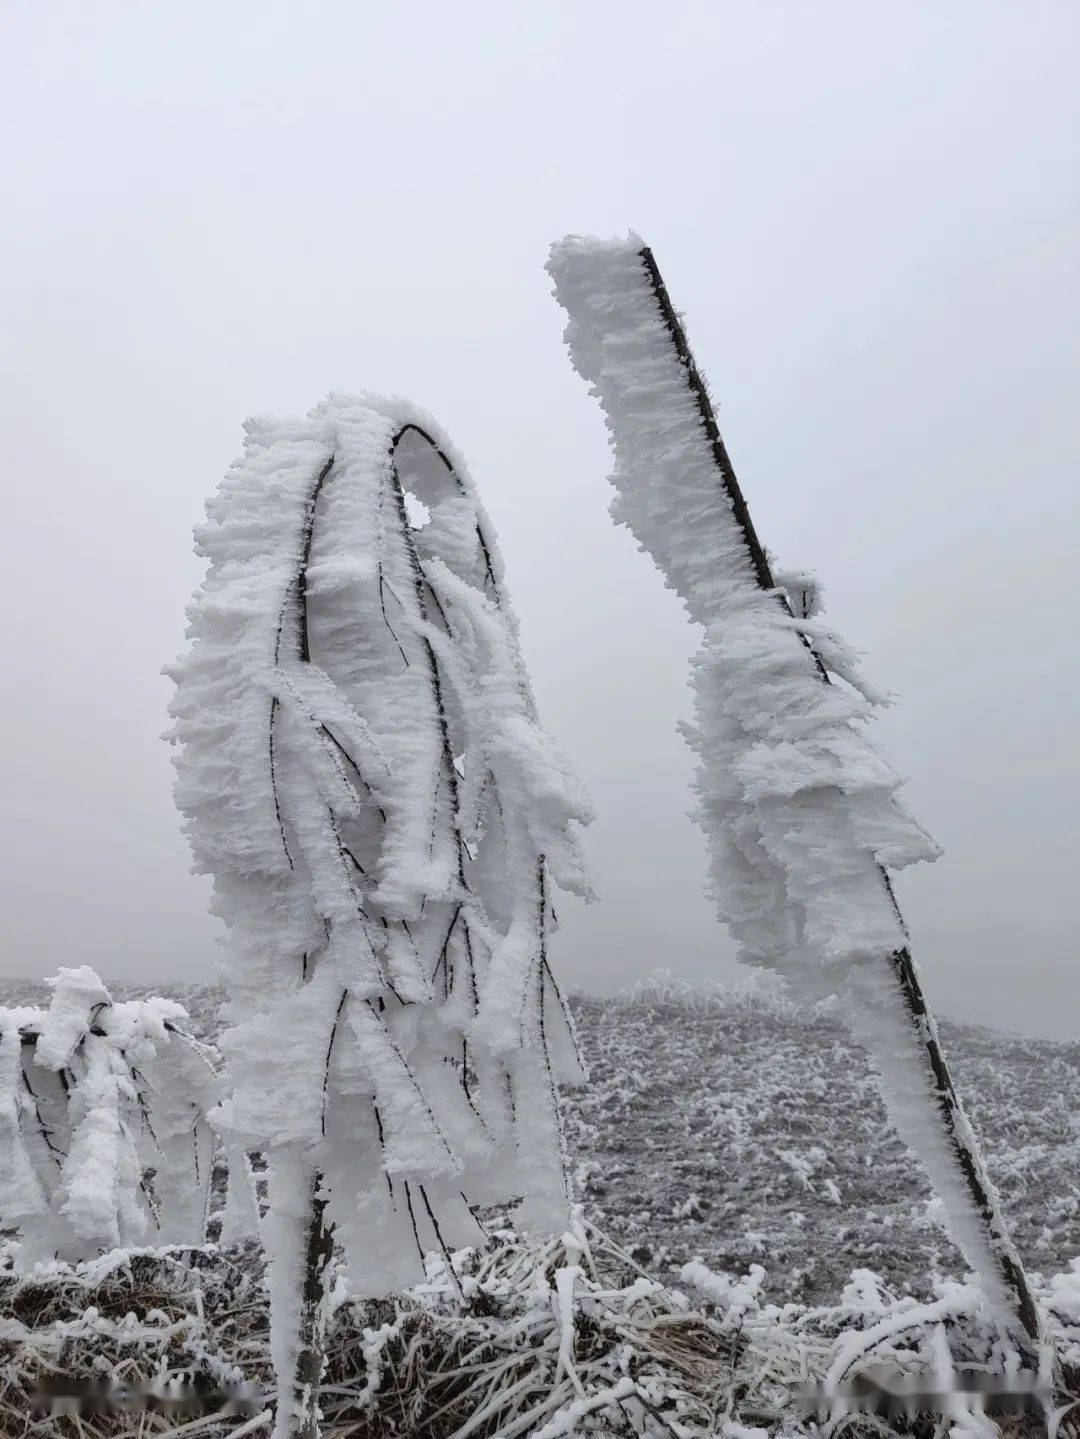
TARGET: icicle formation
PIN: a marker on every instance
(362, 771)
(103, 1118)
(800, 811)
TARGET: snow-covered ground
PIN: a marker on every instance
(744, 1130)
(735, 1128)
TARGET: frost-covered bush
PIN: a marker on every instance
(103, 1122)
(362, 771)
(758, 991)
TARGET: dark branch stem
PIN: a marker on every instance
(947, 1101)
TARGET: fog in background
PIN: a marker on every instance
(869, 214)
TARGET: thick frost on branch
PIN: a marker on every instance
(103, 1111)
(799, 809)
(362, 771)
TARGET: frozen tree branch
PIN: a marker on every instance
(800, 812)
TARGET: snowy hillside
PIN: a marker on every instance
(734, 1128)
(743, 1131)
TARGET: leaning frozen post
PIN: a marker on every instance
(363, 773)
(799, 810)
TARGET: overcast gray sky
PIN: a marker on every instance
(869, 213)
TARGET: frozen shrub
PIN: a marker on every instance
(362, 771)
(103, 1122)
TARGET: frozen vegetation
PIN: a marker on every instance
(362, 771)
(346, 1181)
(722, 1130)
(738, 1127)
(800, 811)
(103, 1121)
(719, 1121)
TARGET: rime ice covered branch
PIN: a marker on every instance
(800, 811)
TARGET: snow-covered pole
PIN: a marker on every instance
(793, 801)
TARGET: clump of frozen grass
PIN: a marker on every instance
(146, 1319)
(756, 991)
(539, 1338)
